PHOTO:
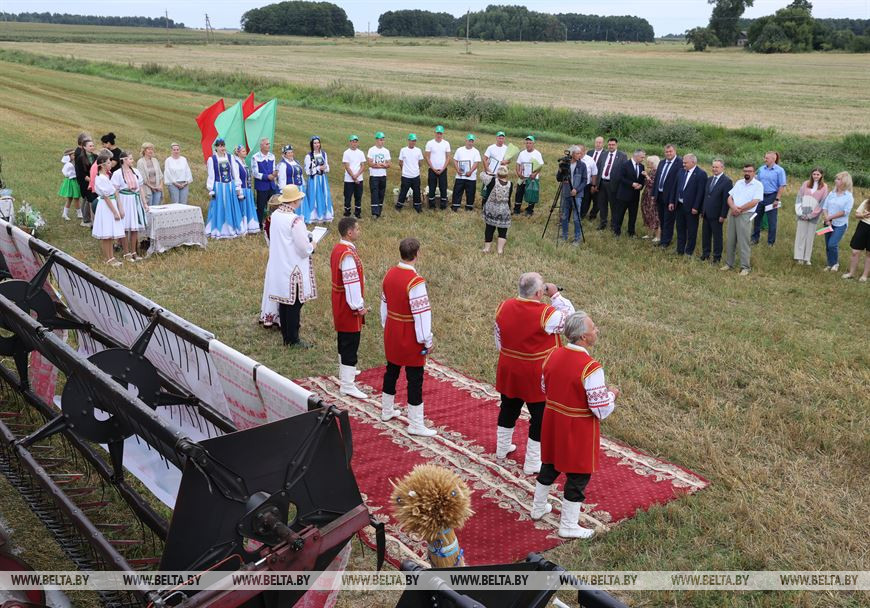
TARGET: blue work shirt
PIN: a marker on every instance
(772, 179)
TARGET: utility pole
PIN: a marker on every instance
(566, 32)
(467, 29)
(207, 28)
(166, 15)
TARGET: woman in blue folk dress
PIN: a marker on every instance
(248, 208)
(224, 211)
(318, 195)
(290, 172)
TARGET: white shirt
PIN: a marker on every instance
(258, 158)
(420, 310)
(743, 193)
(596, 154)
(281, 179)
(524, 160)
(69, 170)
(437, 153)
(103, 186)
(467, 159)
(601, 401)
(354, 160)
(312, 160)
(665, 168)
(121, 184)
(688, 177)
(494, 153)
(608, 170)
(410, 159)
(176, 170)
(591, 167)
(209, 182)
(378, 155)
(350, 277)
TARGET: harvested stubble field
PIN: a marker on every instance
(757, 383)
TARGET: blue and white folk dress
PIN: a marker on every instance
(224, 211)
(290, 172)
(248, 208)
(318, 200)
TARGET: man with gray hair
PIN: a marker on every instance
(577, 399)
(265, 174)
(630, 179)
(691, 181)
(573, 186)
(526, 331)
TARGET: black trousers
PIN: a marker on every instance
(575, 483)
(289, 315)
(687, 229)
(412, 183)
(619, 208)
(510, 412)
(666, 221)
(262, 199)
(490, 230)
(378, 188)
(415, 382)
(469, 187)
(711, 230)
(587, 202)
(605, 200)
(355, 190)
(438, 180)
(348, 346)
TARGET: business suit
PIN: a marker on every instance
(690, 198)
(627, 176)
(571, 205)
(589, 197)
(665, 191)
(715, 207)
(608, 163)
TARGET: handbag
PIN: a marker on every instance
(532, 193)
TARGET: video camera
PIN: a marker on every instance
(563, 172)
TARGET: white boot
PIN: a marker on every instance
(416, 425)
(503, 445)
(348, 387)
(540, 506)
(388, 407)
(356, 372)
(568, 526)
(65, 213)
(532, 466)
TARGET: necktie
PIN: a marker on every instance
(607, 167)
(664, 175)
(636, 171)
(713, 183)
(596, 155)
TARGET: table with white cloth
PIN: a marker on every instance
(173, 225)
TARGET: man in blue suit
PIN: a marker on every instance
(691, 184)
(665, 192)
(573, 189)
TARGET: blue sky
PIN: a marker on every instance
(666, 16)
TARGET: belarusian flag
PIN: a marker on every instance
(206, 120)
(230, 127)
(249, 106)
(261, 124)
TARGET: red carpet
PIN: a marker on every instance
(465, 412)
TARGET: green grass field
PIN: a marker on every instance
(757, 383)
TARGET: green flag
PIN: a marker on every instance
(230, 127)
(261, 124)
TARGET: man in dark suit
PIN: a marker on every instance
(589, 199)
(608, 162)
(630, 179)
(714, 211)
(691, 184)
(665, 190)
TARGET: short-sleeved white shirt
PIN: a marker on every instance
(525, 159)
(464, 155)
(437, 153)
(591, 167)
(354, 160)
(378, 155)
(743, 193)
(497, 153)
(410, 158)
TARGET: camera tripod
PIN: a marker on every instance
(557, 201)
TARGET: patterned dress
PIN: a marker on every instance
(647, 206)
(497, 205)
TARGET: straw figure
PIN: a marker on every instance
(432, 501)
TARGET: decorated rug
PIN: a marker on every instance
(465, 412)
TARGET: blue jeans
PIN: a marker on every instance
(178, 195)
(156, 198)
(571, 206)
(832, 244)
(771, 219)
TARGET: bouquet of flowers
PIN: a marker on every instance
(28, 218)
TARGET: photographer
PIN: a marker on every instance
(572, 175)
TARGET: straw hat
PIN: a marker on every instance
(290, 194)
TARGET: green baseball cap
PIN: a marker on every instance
(530, 137)
(439, 129)
(470, 137)
(379, 135)
(412, 137)
(500, 134)
(352, 138)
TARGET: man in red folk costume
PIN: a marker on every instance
(526, 331)
(348, 303)
(578, 398)
(407, 321)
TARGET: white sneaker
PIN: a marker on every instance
(835, 268)
(848, 275)
(79, 213)
(568, 526)
(348, 386)
(416, 424)
(744, 272)
(540, 506)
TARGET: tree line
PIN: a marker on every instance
(515, 23)
(68, 19)
(791, 29)
(296, 18)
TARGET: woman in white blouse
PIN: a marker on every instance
(177, 175)
(109, 215)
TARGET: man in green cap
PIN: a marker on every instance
(379, 161)
(527, 173)
(354, 162)
(493, 158)
(465, 161)
(409, 160)
(438, 157)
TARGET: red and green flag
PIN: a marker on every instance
(206, 122)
